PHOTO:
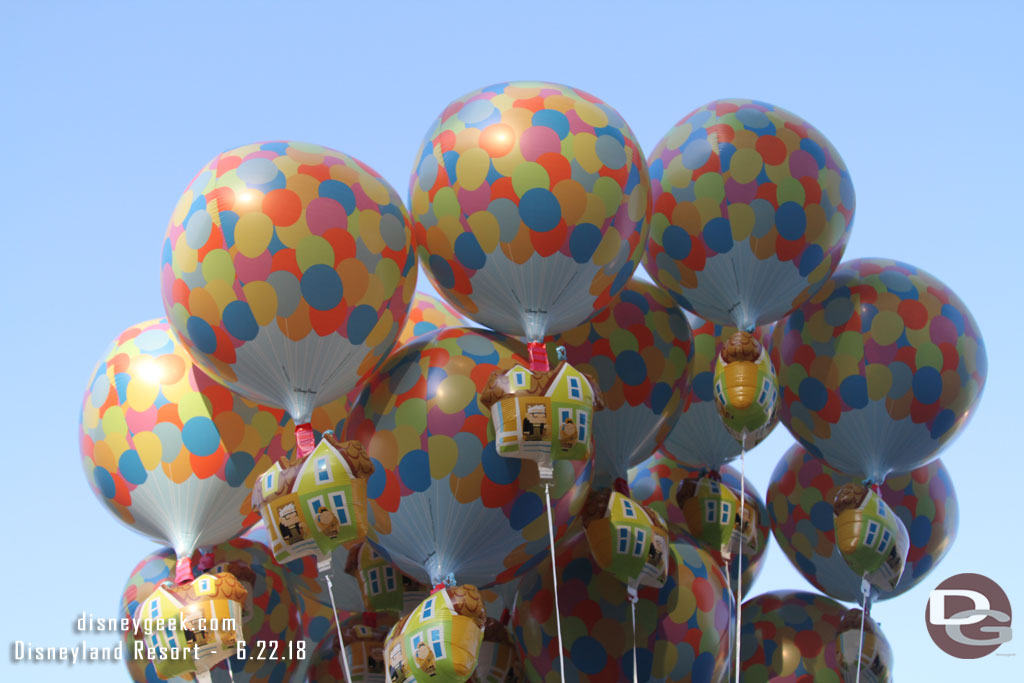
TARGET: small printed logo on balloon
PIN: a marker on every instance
(968, 616)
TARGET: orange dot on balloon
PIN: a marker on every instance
(914, 314)
(282, 206)
(498, 139)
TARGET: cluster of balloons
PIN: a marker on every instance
(547, 495)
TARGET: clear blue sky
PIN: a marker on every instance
(108, 109)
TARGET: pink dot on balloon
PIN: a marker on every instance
(538, 140)
(942, 329)
(802, 164)
(324, 213)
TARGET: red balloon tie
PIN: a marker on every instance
(370, 619)
(538, 357)
(506, 616)
(621, 486)
(305, 441)
(183, 571)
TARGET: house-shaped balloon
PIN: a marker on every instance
(876, 657)
(202, 620)
(746, 389)
(364, 648)
(627, 539)
(712, 514)
(384, 588)
(543, 416)
(872, 539)
(317, 504)
(439, 642)
(498, 661)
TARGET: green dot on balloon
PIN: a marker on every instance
(790, 190)
(217, 266)
(928, 355)
(623, 340)
(454, 393)
(710, 186)
(610, 193)
(412, 413)
(527, 176)
(850, 344)
(445, 203)
(314, 250)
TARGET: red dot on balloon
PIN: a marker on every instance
(497, 139)
(534, 104)
(914, 314)
(557, 167)
(723, 108)
(502, 189)
(812, 191)
(767, 191)
(446, 141)
(771, 149)
(320, 171)
(808, 642)
(222, 198)
(665, 204)
(282, 206)
(227, 163)
(950, 357)
(703, 593)
(722, 131)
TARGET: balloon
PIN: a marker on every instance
(441, 498)
(655, 483)
(872, 649)
(426, 314)
(869, 535)
(364, 649)
(699, 437)
(171, 453)
(682, 629)
(530, 204)
(626, 539)
(800, 499)
(287, 272)
(638, 349)
(746, 389)
(270, 620)
(752, 211)
(790, 636)
(313, 506)
(438, 642)
(498, 660)
(880, 370)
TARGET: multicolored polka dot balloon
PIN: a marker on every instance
(682, 629)
(800, 506)
(638, 349)
(699, 438)
(441, 498)
(287, 272)
(655, 483)
(752, 211)
(790, 637)
(171, 453)
(880, 370)
(530, 203)
(271, 615)
(426, 314)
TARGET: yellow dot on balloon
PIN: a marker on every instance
(886, 327)
(444, 455)
(113, 421)
(221, 292)
(217, 266)
(184, 258)
(472, 167)
(454, 393)
(745, 165)
(742, 219)
(486, 229)
(192, 404)
(253, 233)
(446, 203)
(314, 250)
(591, 114)
(150, 449)
(610, 192)
(529, 175)
(375, 189)
(385, 326)
(142, 392)
(103, 452)
(369, 230)
(879, 379)
(182, 207)
(262, 299)
(639, 202)
(584, 147)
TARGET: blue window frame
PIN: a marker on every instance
(884, 544)
(389, 578)
(323, 472)
(519, 377)
(340, 507)
(869, 539)
(574, 388)
(710, 510)
(154, 609)
(581, 425)
(623, 540)
(270, 481)
(726, 510)
(638, 547)
(436, 643)
(627, 509)
(374, 576)
(428, 610)
(204, 585)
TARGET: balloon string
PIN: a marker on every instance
(341, 638)
(554, 575)
(231, 674)
(739, 560)
(632, 609)
(865, 590)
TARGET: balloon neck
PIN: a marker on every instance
(620, 485)
(305, 440)
(183, 571)
(205, 562)
(506, 616)
(538, 357)
(714, 475)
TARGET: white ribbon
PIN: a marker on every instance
(554, 575)
(337, 622)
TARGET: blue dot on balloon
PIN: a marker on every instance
(854, 391)
(228, 220)
(957, 318)
(846, 193)
(526, 509)
(499, 470)
(375, 484)
(468, 251)
(622, 277)
(718, 235)
(199, 435)
(553, 119)
(579, 569)
(238, 467)
(414, 470)
(631, 368)
(811, 258)
(703, 668)
(201, 334)
(279, 147)
(539, 209)
(588, 655)
(927, 384)
(104, 482)
(442, 271)
(696, 153)
(318, 628)
(814, 149)
(660, 395)
(944, 421)
(920, 531)
(239, 321)
(676, 242)
(450, 159)
(321, 287)
(339, 192)
(725, 152)
(583, 242)
(812, 393)
(361, 322)
(130, 467)
(922, 566)
(644, 661)
(790, 221)
(821, 516)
